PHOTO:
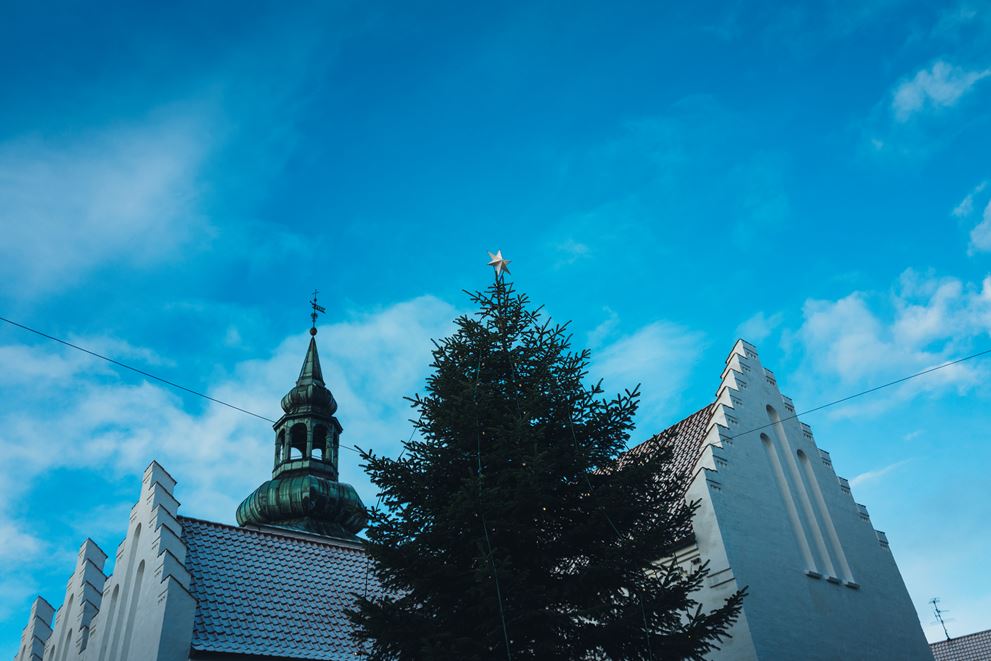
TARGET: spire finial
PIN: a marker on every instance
(317, 309)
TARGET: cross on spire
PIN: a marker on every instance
(317, 309)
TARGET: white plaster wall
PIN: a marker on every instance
(37, 632)
(744, 523)
(144, 610)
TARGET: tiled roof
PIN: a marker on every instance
(269, 594)
(687, 437)
(975, 647)
(265, 593)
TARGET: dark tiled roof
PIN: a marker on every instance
(687, 437)
(975, 647)
(269, 594)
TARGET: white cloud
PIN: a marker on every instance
(980, 236)
(15, 590)
(966, 205)
(597, 336)
(125, 195)
(874, 475)
(219, 454)
(926, 321)
(759, 327)
(570, 251)
(16, 543)
(939, 86)
(115, 424)
(659, 356)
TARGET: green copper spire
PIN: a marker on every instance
(311, 372)
(304, 493)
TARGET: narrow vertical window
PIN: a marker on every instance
(125, 580)
(827, 520)
(63, 646)
(132, 612)
(796, 524)
(802, 491)
(108, 621)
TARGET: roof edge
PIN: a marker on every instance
(274, 531)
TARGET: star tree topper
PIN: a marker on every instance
(499, 263)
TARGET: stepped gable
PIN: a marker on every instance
(973, 647)
(37, 632)
(264, 593)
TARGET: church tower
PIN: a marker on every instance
(304, 493)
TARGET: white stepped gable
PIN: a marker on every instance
(144, 609)
(774, 517)
(37, 632)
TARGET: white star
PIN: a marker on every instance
(499, 263)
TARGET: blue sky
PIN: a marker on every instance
(175, 179)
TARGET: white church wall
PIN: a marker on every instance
(775, 517)
(70, 632)
(37, 632)
(721, 582)
(144, 609)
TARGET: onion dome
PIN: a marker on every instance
(304, 493)
(310, 392)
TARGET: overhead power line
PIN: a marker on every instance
(869, 390)
(356, 450)
(147, 374)
(135, 369)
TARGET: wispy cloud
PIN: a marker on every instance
(980, 236)
(570, 251)
(659, 356)
(106, 421)
(759, 327)
(866, 339)
(123, 195)
(940, 86)
(876, 474)
(966, 206)
(605, 329)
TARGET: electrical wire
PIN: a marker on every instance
(172, 384)
(868, 391)
(357, 451)
(145, 374)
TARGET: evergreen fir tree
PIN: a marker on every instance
(516, 527)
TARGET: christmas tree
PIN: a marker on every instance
(515, 527)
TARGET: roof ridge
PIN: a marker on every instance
(288, 534)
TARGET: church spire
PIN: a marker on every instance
(311, 372)
(304, 492)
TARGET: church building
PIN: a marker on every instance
(774, 517)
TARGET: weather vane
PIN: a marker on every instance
(499, 263)
(317, 309)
